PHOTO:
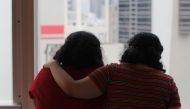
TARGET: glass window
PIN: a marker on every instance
(72, 12)
(57, 19)
(93, 12)
(184, 17)
(51, 27)
(6, 52)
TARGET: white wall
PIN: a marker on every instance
(180, 60)
(176, 48)
(6, 52)
(180, 64)
(162, 11)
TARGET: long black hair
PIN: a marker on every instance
(81, 49)
(144, 48)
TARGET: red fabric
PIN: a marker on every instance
(48, 95)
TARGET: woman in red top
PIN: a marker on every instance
(80, 55)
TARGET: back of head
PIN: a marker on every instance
(81, 50)
(144, 48)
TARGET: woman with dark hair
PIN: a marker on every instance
(138, 82)
(80, 55)
(146, 49)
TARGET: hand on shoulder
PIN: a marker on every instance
(47, 65)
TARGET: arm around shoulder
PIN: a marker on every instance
(84, 88)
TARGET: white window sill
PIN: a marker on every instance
(13, 106)
(10, 106)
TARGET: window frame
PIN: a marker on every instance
(23, 53)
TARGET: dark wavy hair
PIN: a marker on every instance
(144, 48)
(81, 49)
